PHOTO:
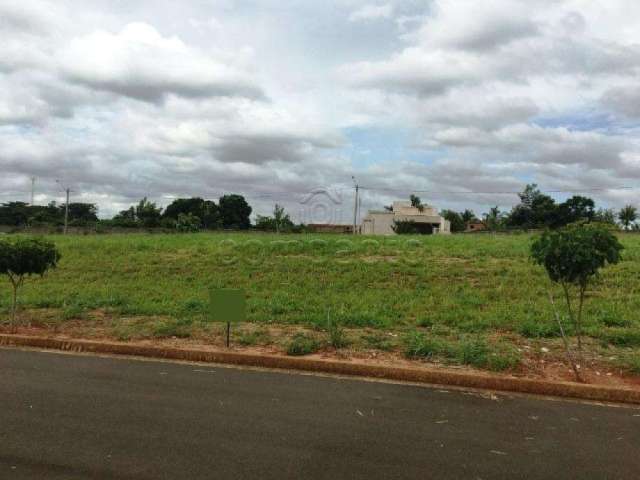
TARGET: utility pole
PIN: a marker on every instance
(67, 190)
(355, 206)
(33, 190)
(66, 212)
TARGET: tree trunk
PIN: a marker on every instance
(567, 348)
(579, 318)
(14, 305)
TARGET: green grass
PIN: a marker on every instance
(465, 286)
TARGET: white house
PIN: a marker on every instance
(381, 222)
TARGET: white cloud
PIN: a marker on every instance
(140, 63)
(271, 99)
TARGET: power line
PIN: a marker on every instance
(472, 192)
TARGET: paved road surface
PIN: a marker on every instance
(75, 417)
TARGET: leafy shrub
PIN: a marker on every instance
(302, 344)
(23, 257)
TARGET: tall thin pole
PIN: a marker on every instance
(33, 190)
(355, 207)
(66, 212)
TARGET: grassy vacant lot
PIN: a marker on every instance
(467, 299)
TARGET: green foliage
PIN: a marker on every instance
(254, 337)
(458, 224)
(337, 336)
(575, 254)
(473, 351)
(179, 328)
(188, 223)
(235, 212)
(622, 337)
(302, 344)
(410, 227)
(207, 211)
(23, 257)
(572, 257)
(379, 342)
(416, 202)
(20, 257)
(628, 216)
(419, 345)
(279, 222)
(22, 214)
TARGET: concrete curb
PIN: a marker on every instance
(417, 375)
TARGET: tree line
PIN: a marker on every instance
(231, 212)
(537, 210)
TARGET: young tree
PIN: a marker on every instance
(22, 258)
(628, 215)
(572, 257)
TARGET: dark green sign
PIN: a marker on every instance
(228, 305)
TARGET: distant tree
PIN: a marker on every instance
(126, 218)
(23, 257)
(14, 214)
(468, 216)
(574, 209)
(81, 214)
(148, 214)
(535, 209)
(628, 216)
(206, 210)
(416, 202)
(457, 222)
(50, 214)
(572, 256)
(188, 223)
(605, 215)
(234, 212)
(493, 219)
(279, 222)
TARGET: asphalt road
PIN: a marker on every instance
(74, 417)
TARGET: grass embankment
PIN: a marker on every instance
(474, 299)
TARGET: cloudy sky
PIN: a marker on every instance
(121, 99)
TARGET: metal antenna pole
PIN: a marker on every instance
(67, 191)
(355, 206)
(33, 189)
(66, 213)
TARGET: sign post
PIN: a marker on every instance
(228, 305)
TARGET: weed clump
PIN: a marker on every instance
(302, 344)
